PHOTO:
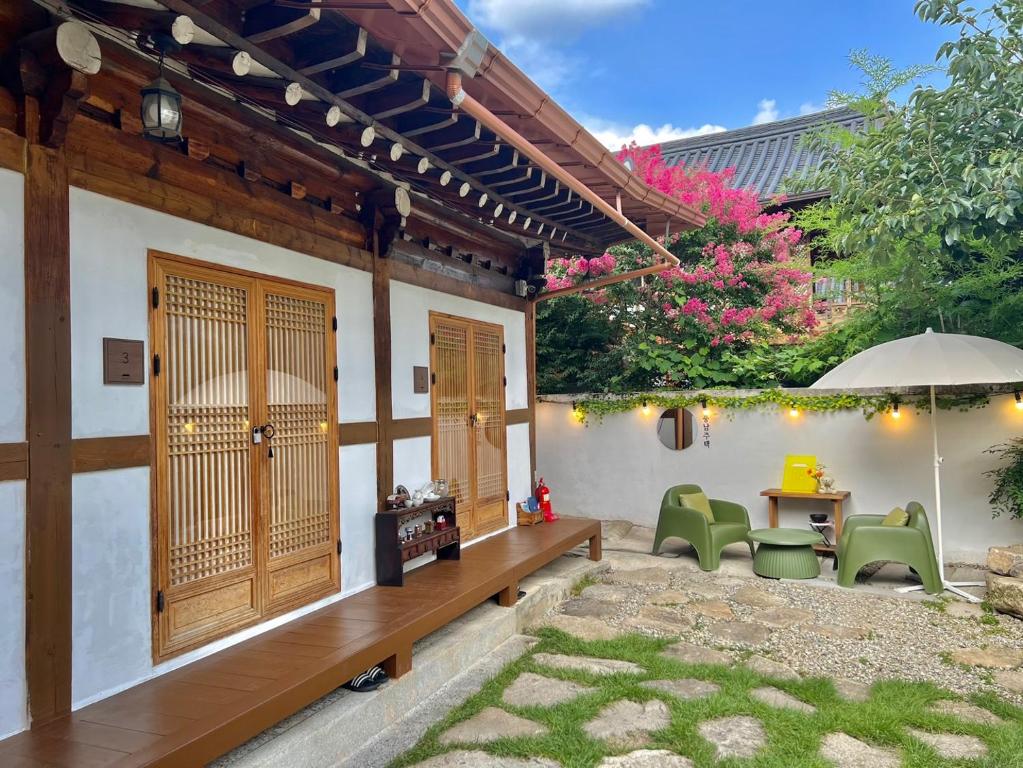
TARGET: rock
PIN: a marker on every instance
(490, 725)
(1013, 680)
(782, 618)
(587, 664)
(696, 654)
(609, 593)
(628, 724)
(772, 697)
(739, 736)
(583, 628)
(532, 690)
(642, 577)
(1005, 594)
(838, 632)
(965, 711)
(684, 689)
(988, 658)
(846, 752)
(717, 610)
(647, 758)
(1006, 561)
(850, 690)
(768, 668)
(739, 633)
(475, 759)
(962, 610)
(952, 746)
(587, 608)
(661, 621)
(757, 598)
(668, 597)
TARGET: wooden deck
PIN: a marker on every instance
(194, 714)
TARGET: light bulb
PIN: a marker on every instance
(646, 408)
(705, 407)
(895, 411)
(1019, 401)
(794, 412)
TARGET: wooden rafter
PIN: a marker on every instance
(347, 48)
(269, 21)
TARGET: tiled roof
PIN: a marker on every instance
(762, 155)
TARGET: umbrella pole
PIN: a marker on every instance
(949, 585)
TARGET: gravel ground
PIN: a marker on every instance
(898, 636)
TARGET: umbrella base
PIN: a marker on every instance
(950, 586)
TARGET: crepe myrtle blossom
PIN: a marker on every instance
(743, 278)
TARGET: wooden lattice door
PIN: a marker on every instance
(467, 360)
(245, 518)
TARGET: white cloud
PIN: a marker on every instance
(808, 108)
(768, 112)
(548, 19)
(614, 135)
(546, 66)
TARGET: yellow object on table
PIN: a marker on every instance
(797, 475)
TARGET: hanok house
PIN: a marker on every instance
(261, 261)
(766, 158)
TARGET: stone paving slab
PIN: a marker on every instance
(532, 690)
(715, 610)
(757, 598)
(1011, 679)
(839, 632)
(647, 758)
(584, 628)
(740, 633)
(668, 597)
(989, 658)
(963, 710)
(609, 593)
(739, 736)
(769, 668)
(628, 724)
(686, 689)
(851, 690)
(782, 617)
(662, 621)
(952, 746)
(587, 664)
(589, 608)
(490, 725)
(772, 697)
(696, 654)
(846, 752)
(641, 577)
(475, 759)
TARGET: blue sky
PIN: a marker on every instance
(661, 69)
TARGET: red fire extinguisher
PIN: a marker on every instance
(543, 496)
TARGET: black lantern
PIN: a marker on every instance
(161, 111)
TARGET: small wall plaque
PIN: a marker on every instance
(123, 361)
(420, 379)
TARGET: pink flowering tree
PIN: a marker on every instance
(743, 280)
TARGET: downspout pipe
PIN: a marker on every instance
(666, 260)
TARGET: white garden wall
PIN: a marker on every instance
(13, 709)
(618, 469)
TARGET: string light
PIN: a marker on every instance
(895, 411)
(577, 414)
(646, 408)
(705, 408)
(1019, 401)
(794, 412)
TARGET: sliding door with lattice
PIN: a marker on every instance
(467, 360)
(245, 481)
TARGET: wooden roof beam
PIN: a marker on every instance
(420, 124)
(218, 59)
(398, 99)
(270, 21)
(135, 19)
(538, 184)
(467, 132)
(355, 82)
(347, 48)
(517, 175)
(489, 170)
(474, 154)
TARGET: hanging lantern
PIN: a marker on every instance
(161, 111)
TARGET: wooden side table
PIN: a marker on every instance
(835, 497)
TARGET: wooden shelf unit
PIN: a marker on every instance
(392, 552)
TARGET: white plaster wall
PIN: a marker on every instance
(110, 297)
(12, 299)
(13, 691)
(358, 506)
(618, 469)
(410, 343)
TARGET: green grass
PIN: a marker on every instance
(583, 583)
(793, 738)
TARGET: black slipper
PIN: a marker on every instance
(363, 683)
(378, 675)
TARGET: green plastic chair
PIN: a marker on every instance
(864, 540)
(730, 526)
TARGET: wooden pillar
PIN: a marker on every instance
(531, 386)
(382, 356)
(48, 387)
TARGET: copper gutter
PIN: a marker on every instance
(463, 101)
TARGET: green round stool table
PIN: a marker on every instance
(785, 553)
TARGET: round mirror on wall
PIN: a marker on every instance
(675, 429)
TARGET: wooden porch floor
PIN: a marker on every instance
(196, 713)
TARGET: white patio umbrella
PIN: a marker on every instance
(929, 360)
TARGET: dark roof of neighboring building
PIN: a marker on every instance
(762, 155)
